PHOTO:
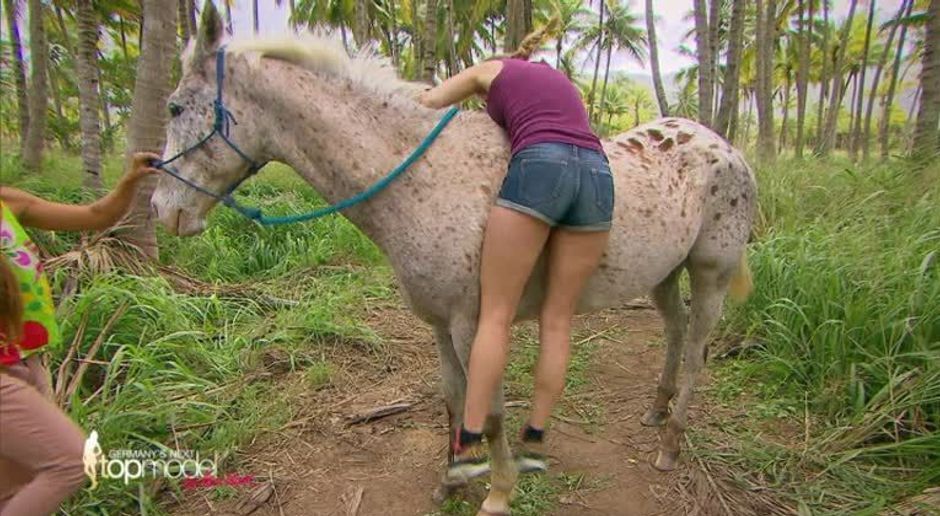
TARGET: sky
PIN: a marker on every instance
(671, 26)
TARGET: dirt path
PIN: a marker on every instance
(601, 453)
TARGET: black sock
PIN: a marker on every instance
(532, 435)
(467, 437)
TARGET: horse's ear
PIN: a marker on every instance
(209, 35)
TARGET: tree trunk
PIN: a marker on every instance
(826, 142)
(229, 26)
(183, 17)
(10, 8)
(597, 61)
(558, 48)
(191, 16)
(362, 23)
(107, 143)
(123, 30)
(393, 30)
(926, 143)
(765, 65)
(417, 52)
(454, 65)
(785, 108)
(730, 91)
(802, 71)
(515, 25)
(654, 59)
(38, 96)
(750, 116)
(600, 111)
(853, 80)
(824, 76)
(856, 135)
(87, 67)
(146, 127)
(430, 42)
(866, 130)
(255, 19)
(888, 107)
(703, 51)
(714, 24)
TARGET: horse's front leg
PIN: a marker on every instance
(504, 472)
(454, 386)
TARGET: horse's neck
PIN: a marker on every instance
(341, 141)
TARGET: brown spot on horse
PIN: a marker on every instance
(666, 145)
(684, 138)
(656, 134)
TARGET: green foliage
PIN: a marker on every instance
(846, 314)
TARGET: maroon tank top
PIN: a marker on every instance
(537, 104)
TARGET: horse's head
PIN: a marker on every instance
(212, 165)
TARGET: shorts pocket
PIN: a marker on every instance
(541, 180)
(603, 191)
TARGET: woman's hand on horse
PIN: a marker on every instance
(142, 165)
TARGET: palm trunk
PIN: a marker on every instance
(853, 80)
(183, 17)
(885, 124)
(430, 42)
(597, 61)
(750, 116)
(107, 140)
(730, 93)
(714, 23)
(416, 45)
(123, 30)
(802, 72)
(393, 32)
(38, 96)
(824, 76)
(765, 109)
(558, 48)
(191, 16)
(785, 108)
(362, 23)
(866, 130)
(146, 128)
(856, 136)
(926, 142)
(255, 19)
(87, 64)
(654, 59)
(600, 112)
(703, 51)
(515, 25)
(19, 71)
(451, 41)
(835, 93)
(229, 26)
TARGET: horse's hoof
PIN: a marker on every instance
(666, 460)
(654, 417)
(443, 492)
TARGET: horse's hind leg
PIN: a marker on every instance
(669, 303)
(710, 280)
(504, 472)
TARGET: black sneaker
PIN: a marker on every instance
(471, 460)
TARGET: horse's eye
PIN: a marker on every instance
(175, 110)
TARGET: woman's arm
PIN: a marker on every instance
(39, 213)
(472, 81)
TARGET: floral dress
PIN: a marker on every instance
(39, 325)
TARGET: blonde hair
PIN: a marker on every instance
(537, 38)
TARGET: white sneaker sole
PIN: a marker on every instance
(467, 472)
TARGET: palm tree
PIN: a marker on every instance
(596, 35)
(654, 60)
(888, 104)
(856, 127)
(826, 57)
(571, 14)
(326, 13)
(146, 128)
(621, 33)
(87, 63)
(882, 62)
(766, 30)
(703, 50)
(429, 59)
(38, 97)
(926, 141)
(11, 9)
(255, 19)
(805, 21)
(518, 23)
(730, 88)
(836, 91)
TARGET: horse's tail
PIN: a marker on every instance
(741, 282)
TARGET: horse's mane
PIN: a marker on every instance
(323, 55)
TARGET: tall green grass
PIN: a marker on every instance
(846, 315)
(188, 370)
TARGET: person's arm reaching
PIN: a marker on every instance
(472, 81)
(39, 213)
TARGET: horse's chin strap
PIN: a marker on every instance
(222, 124)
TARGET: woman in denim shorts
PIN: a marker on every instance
(558, 194)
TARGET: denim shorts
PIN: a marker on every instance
(562, 185)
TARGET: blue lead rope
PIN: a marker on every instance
(220, 127)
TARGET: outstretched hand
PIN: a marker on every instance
(143, 164)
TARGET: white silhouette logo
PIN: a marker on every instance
(92, 457)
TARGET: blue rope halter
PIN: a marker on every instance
(220, 127)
